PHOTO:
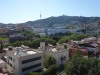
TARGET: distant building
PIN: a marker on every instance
(53, 31)
(42, 34)
(56, 30)
(75, 30)
(38, 30)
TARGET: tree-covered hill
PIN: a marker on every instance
(62, 21)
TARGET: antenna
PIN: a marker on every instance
(40, 15)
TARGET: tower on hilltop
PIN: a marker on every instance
(40, 15)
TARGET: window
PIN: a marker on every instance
(10, 64)
(13, 60)
(13, 67)
(10, 58)
(31, 67)
(39, 70)
(31, 60)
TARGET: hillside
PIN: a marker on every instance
(61, 21)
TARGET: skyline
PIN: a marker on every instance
(20, 11)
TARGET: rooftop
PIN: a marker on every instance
(24, 50)
(56, 50)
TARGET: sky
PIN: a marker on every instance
(20, 11)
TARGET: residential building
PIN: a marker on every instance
(56, 30)
(89, 47)
(59, 52)
(22, 60)
(53, 31)
(38, 30)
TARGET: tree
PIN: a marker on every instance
(56, 37)
(82, 66)
(35, 44)
(48, 41)
(67, 38)
(28, 34)
(32, 73)
(49, 61)
(51, 71)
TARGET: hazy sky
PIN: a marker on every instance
(19, 11)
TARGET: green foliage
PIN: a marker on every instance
(51, 71)
(67, 38)
(49, 61)
(19, 43)
(28, 34)
(57, 37)
(34, 43)
(48, 41)
(33, 73)
(74, 37)
(4, 38)
(82, 66)
(82, 36)
(63, 20)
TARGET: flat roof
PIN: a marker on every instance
(31, 52)
(23, 51)
(54, 49)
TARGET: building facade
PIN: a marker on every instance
(24, 60)
(59, 52)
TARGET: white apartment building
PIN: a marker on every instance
(22, 60)
(59, 52)
(50, 31)
(76, 30)
(38, 30)
(53, 31)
